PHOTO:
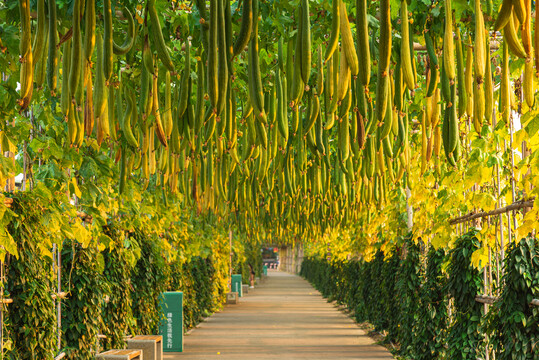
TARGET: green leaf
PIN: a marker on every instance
(532, 126)
(8, 243)
(43, 191)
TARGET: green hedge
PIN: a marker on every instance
(200, 275)
(117, 313)
(81, 312)
(132, 271)
(465, 282)
(407, 297)
(409, 278)
(203, 290)
(514, 323)
(148, 278)
(433, 312)
(31, 316)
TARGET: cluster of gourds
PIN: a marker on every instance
(310, 141)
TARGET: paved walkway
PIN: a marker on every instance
(284, 318)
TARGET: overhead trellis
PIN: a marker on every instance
(341, 125)
(296, 116)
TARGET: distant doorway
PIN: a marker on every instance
(270, 257)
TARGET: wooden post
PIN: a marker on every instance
(409, 210)
(513, 190)
(498, 195)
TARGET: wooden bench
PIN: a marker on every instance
(151, 346)
(130, 354)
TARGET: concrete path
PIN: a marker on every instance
(284, 318)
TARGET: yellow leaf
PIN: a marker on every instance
(439, 241)
(46, 252)
(480, 257)
(528, 223)
(473, 176)
(518, 138)
(8, 244)
(485, 201)
(508, 196)
(76, 189)
(487, 174)
(525, 228)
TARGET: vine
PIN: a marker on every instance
(191, 313)
(221, 268)
(202, 286)
(360, 310)
(407, 290)
(117, 313)
(148, 279)
(202, 272)
(352, 275)
(81, 312)
(390, 307)
(375, 305)
(409, 299)
(432, 315)
(29, 273)
(514, 322)
(465, 282)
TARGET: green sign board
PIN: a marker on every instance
(171, 326)
(236, 284)
(265, 270)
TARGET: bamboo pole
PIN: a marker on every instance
(513, 185)
(498, 196)
(513, 207)
(494, 45)
(486, 299)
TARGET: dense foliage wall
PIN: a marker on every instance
(82, 313)
(513, 322)
(407, 294)
(31, 317)
(112, 283)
